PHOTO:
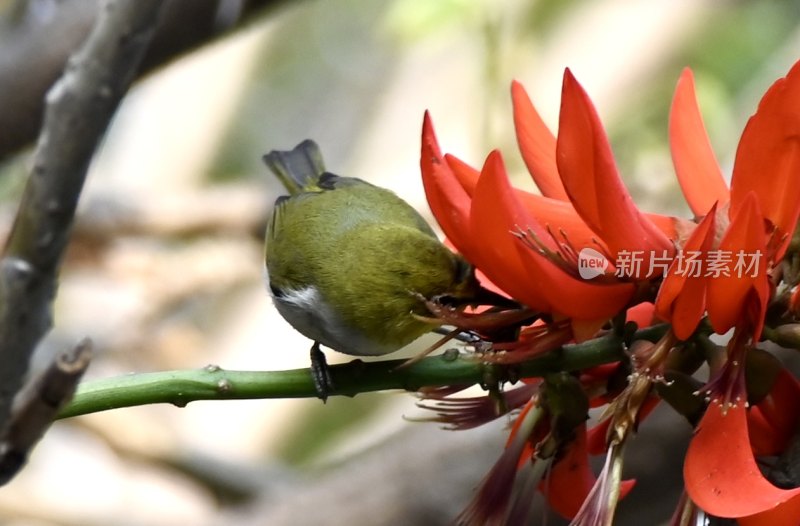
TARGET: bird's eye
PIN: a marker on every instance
(276, 292)
(327, 181)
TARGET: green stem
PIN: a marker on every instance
(212, 383)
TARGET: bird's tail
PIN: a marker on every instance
(298, 169)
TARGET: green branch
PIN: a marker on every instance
(212, 383)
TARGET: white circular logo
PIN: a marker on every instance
(591, 263)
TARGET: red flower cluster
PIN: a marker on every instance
(533, 248)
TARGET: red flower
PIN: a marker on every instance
(530, 246)
(473, 207)
(720, 471)
(480, 212)
(761, 214)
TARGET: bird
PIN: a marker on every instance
(350, 265)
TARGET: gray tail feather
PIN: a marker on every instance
(298, 168)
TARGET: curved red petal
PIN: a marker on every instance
(688, 308)
(447, 199)
(695, 164)
(590, 177)
(681, 298)
(776, 416)
(642, 314)
(553, 213)
(573, 298)
(466, 174)
(494, 215)
(560, 216)
(537, 144)
(668, 225)
(571, 478)
(720, 472)
(768, 157)
(784, 515)
(557, 215)
(529, 276)
(745, 242)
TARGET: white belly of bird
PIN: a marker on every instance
(308, 313)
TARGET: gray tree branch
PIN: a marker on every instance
(78, 110)
(38, 38)
(37, 405)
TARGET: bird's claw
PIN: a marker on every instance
(320, 373)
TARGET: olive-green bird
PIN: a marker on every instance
(349, 263)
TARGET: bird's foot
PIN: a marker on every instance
(320, 373)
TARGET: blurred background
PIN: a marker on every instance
(165, 267)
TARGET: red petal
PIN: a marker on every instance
(448, 200)
(784, 515)
(768, 157)
(590, 176)
(688, 308)
(559, 215)
(666, 224)
(495, 213)
(695, 164)
(642, 314)
(681, 297)
(537, 144)
(720, 471)
(727, 295)
(571, 478)
(776, 416)
(466, 174)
